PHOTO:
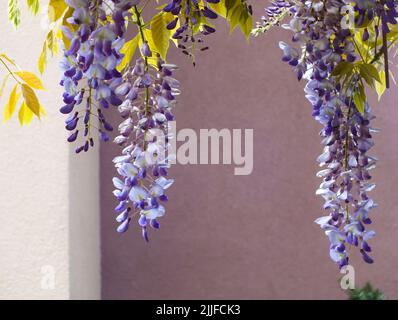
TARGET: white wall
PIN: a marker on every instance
(49, 206)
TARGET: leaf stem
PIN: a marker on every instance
(9, 71)
(141, 26)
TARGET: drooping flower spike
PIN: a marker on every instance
(89, 66)
(149, 98)
(322, 42)
(191, 15)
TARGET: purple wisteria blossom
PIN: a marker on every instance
(189, 14)
(149, 99)
(321, 41)
(89, 65)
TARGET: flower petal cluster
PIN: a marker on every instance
(321, 41)
(149, 99)
(89, 65)
(189, 14)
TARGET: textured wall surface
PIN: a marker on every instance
(248, 237)
(49, 206)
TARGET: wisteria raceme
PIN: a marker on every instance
(89, 65)
(150, 96)
(322, 40)
(190, 13)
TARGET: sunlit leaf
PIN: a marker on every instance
(359, 102)
(160, 34)
(342, 68)
(148, 37)
(3, 84)
(4, 56)
(43, 58)
(234, 17)
(14, 13)
(246, 23)
(25, 115)
(219, 8)
(11, 104)
(381, 86)
(33, 5)
(30, 79)
(56, 9)
(31, 100)
(128, 50)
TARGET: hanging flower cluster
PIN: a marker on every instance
(339, 48)
(147, 108)
(89, 65)
(331, 52)
(97, 75)
(190, 14)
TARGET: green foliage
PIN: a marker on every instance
(34, 6)
(366, 293)
(14, 13)
(237, 13)
(160, 34)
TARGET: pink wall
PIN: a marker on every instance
(247, 237)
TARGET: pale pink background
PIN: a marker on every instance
(248, 237)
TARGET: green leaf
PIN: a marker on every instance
(246, 23)
(229, 4)
(369, 73)
(220, 8)
(359, 99)
(234, 17)
(30, 79)
(11, 104)
(342, 68)
(359, 103)
(14, 14)
(128, 50)
(160, 34)
(381, 86)
(371, 69)
(31, 100)
(33, 5)
(364, 73)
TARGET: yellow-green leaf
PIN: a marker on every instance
(43, 59)
(12, 102)
(25, 115)
(33, 5)
(369, 71)
(359, 102)
(381, 86)
(3, 84)
(31, 100)
(153, 61)
(342, 68)
(246, 24)
(30, 79)
(42, 111)
(4, 56)
(128, 50)
(160, 33)
(56, 9)
(234, 17)
(14, 13)
(219, 8)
